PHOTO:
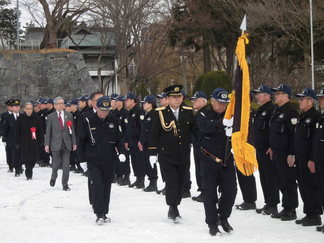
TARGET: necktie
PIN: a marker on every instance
(176, 114)
(60, 120)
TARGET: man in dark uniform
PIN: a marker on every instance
(309, 187)
(2, 126)
(121, 114)
(83, 105)
(199, 102)
(282, 132)
(163, 102)
(43, 113)
(149, 105)
(98, 139)
(318, 149)
(170, 139)
(217, 165)
(84, 117)
(267, 167)
(9, 136)
(133, 132)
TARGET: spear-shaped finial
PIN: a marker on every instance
(243, 25)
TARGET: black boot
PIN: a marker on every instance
(246, 206)
(213, 230)
(152, 187)
(199, 198)
(225, 225)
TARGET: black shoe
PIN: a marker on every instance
(289, 215)
(52, 182)
(173, 214)
(270, 210)
(79, 171)
(10, 170)
(139, 183)
(312, 220)
(119, 180)
(213, 230)
(29, 178)
(66, 188)
(261, 210)
(186, 194)
(320, 228)
(246, 206)
(17, 174)
(73, 168)
(106, 219)
(125, 181)
(152, 187)
(278, 215)
(100, 219)
(162, 191)
(199, 198)
(225, 225)
(300, 221)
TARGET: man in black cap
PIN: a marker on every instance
(217, 165)
(309, 187)
(9, 136)
(170, 139)
(3, 119)
(318, 148)
(149, 105)
(267, 167)
(121, 115)
(83, 104)
(133, 132)
(199, 103)
(99, 138)
(282, 133)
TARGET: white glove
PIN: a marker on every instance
(122, 158)
(4, 144)
(228, 123)
(153, 160)
(228, 131)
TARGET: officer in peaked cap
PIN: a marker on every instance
(319, 149)
(267, 168)
(170, 139)
(282, 133)
(149, 105)
(3, 119)
(217, 164)
(309, 187)
(199, 102)
(99, 138)
(122, 169)
(133, 133)
(9, 136)
(163, 99)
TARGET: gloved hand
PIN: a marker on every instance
(228, 123)
(153, 160)
(228, 131)
(122, 158)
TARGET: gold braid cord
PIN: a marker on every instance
(169, 127)
(244, 153)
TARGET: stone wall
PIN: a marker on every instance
(28, 75)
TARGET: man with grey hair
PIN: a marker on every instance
(60, 140)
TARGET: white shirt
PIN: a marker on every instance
(62, 116)
(16, 115)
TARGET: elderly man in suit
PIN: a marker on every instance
(60, 140)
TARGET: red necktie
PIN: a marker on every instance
(60, 120)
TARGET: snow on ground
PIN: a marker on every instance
(32, 211)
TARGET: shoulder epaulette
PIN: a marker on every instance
(187, 107)
(160, 108)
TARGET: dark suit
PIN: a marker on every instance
(173, 148)
(60, 142)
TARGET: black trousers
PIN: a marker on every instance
(320, 176)
(101, 188)
(137, 159)
(309, 188)
(216, 177)
(150, 172)
(8, 157)
(247, 186)
(268, 174)
(286, 179)
(197, 157)
(29, 169)
(174, 176)
(14, 158)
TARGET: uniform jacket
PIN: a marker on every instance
(261, 125)
(29, 147)
(133, 124)
(172, 145)
(282, 128)
(318, 140)
(146, 127)
(55, 136)
(9, 130)
(2, 121)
